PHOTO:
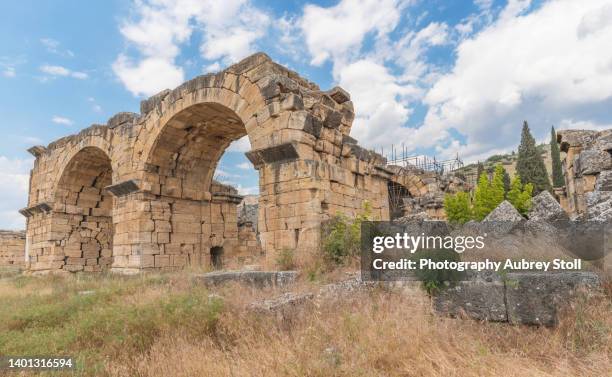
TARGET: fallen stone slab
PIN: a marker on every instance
(282, 302)
(545, 207)
(529, 298)
(535, 298)
(258, 279)
(480, 298)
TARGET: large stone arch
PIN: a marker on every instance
(167, 211)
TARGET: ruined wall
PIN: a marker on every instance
(422, 192)
(587, 169)
(139, 189)
(12, 248)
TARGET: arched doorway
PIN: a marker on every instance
(82, 216)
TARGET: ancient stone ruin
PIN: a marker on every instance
(137, 193)
(587, 167)
(12, 245)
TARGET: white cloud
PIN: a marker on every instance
(53, 46)
(58, 70)
(62, 120)
(149, 76)
(14, 182)
(94, 105)
(548, 66)
(214, 67)
(161, 27)
(9, 72)
(338, 32)
(245, 166)
(241, 145)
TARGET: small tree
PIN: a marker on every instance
(457, 207)
(520, 196)
(557, 172)
(482, 197)
(497, 186)
(530, 166)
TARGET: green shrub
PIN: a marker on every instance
(520, 195)
(342, 236)
(285, 259)
(436, 279)
(458, 207)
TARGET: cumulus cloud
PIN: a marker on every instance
(245, 166)
(58, 70)
(338, 32)
(62, 120)
(14, 181)
(160, 28)
(548, 66)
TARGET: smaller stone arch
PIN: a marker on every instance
(81, 217)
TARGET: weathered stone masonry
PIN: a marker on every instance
(137, 193)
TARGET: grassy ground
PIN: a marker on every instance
(165, 325)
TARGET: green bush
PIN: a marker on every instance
(520, 195)
(285, 259)
(342, 236)
(435, 280)
(458, 208)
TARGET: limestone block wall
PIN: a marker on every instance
(12, 248)
(587, 167)
(139, 189)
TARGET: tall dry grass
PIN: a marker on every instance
(380, 334)
(168, 325)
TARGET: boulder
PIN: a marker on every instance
(535, 298)
(505, 212)
(544, 207)
(601, 212)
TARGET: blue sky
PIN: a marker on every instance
(440, 77)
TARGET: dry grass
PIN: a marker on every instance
(380, 334)
(167, 326)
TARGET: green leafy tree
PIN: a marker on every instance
(497, 186)
(488, 194)
(520, 195)
(530, 166)
(458, 207)
(482, 197)
(557, 172)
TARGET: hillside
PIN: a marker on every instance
(508, 161)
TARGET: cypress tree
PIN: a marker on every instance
(555, 155)
(530, 166)
(507, 182)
